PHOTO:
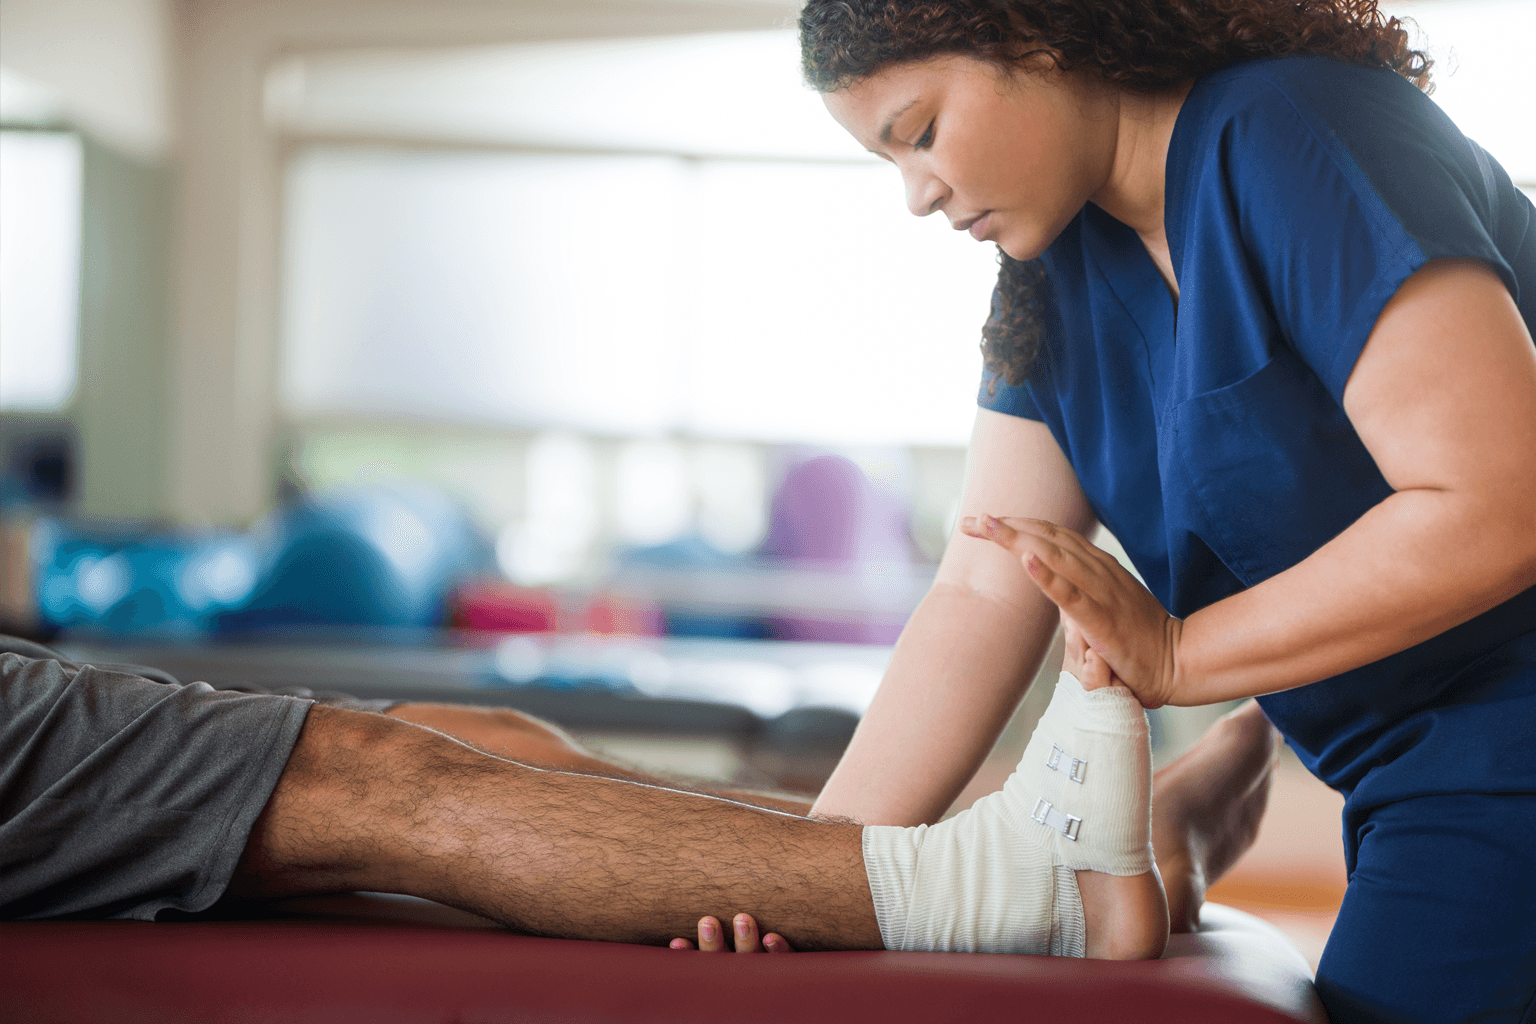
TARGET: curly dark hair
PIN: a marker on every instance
(1142, 46)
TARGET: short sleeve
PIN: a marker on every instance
(1317, 189)
(1000, 396)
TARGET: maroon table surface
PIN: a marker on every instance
(375, 959)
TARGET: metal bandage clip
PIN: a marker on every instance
(1050, 817)
(1075, 768)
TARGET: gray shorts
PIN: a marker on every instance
(124, 792)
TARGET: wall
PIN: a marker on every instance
(122, 395)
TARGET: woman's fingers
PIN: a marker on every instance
(1039, 537)
(1119, 619)
(1062, 562)
(1004, 532)
(1057, 559)
(1069, 592)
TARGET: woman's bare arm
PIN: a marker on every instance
(1444, 398)
(971, 648)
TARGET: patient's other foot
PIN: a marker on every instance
(1207, 806)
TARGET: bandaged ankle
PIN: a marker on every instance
(999, 876)
(1087, 776)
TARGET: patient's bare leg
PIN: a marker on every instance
(370, 803)
(1205, 813)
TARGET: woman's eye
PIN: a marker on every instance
(926, 140)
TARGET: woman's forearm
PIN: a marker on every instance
(957, 674)
(1414, 566)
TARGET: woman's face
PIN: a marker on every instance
(1011, 159)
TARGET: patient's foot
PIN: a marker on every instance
(1207, 806)
(1007, 875)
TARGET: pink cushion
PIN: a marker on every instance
(379, 960)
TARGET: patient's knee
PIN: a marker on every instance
(343, 794)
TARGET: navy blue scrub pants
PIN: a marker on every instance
(1439, 922)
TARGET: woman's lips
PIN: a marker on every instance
(978, 227)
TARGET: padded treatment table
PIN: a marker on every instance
(374, 959)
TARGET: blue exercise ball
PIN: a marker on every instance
(375, 556)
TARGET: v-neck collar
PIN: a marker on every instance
(1128, 268)
(1183, 145)
(1122, 256)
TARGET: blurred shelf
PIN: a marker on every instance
(807, 693)
(802, 588)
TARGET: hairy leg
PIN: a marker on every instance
(1125, 916)
(1206, 808)
(370, 803)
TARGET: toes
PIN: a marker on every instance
(746, 934)
(776, 943)
(1096, 673)
(711, 936)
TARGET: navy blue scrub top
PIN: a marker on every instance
(1301, 192)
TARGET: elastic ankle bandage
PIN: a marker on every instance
(999, 877)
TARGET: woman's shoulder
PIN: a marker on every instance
(1281, 130)
(1330, 184)
(1273, 109)
(1315, 87)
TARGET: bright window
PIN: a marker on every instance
(618, 249)
(772, 301)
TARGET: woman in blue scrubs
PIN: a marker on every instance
(1266, 315)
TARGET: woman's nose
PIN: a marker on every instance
(925, 193)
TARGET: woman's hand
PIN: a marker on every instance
(1116, 616)
(712, 938)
